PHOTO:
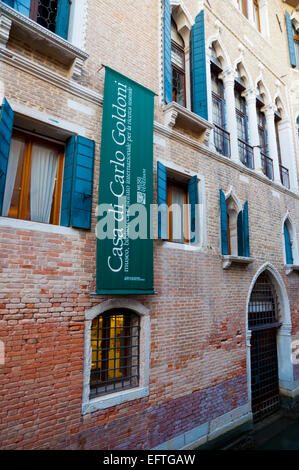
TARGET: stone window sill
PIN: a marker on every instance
(15, 25)
(18, 224)
(114, 399)
(176, 114)
(228, 260)
(289, 268)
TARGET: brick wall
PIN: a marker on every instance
(198, 317)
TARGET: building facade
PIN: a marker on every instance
(214, 348)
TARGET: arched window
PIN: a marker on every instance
(221, 136)
(245, 150)
(234, 226)
(267, 162)
(178, 66)
(115, 352)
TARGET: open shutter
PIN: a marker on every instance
(240, 231)
(62, 18)
(76, 204)
(66, 201)
(22, 6)
(6, 125)
(288, 246)
(291, 40)
(246, 231)
(199, 73)
(167, 52)
(193, 201)
(162, 201)
(223, 217)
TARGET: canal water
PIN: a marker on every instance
(283, 434)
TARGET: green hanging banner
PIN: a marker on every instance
(124, 241)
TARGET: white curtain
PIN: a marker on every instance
(16, 150)
(178, 201)
(43, 173)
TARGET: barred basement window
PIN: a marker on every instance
(115, 338)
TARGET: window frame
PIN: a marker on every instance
(107, 332)
(181, 71)
(29, 140)
(256, 7)
(172, 183)
(119, 397)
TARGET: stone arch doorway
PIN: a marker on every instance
(264, 324)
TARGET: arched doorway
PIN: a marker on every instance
(263, 322)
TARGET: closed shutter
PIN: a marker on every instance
(22, 6)
(240, 231)
(199, 73)
(223, 218)
(162, 201)
(62, 18)
(291, 40)
(76, 206)
(193, 201)
(6, 125)
(243, 232)
(167, 53)
(288, 246)
(246, 230)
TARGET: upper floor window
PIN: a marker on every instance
(221, 136)
(242, 4)
(115, 352)
(33, 180)
(177, 67)
(178, 205)
(53, 15)
(296, 44)
(40, 180)
(256, 15)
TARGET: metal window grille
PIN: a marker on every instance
(263, 322)
(115, 338)
(246, 154)
(46, 14)
(267, 166)
(222, 141)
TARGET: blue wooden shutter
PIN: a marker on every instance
(167, 52)
(22, 6)
(66, 201)
(246, 244)
(6, 125)
(291, 40)
(199, 73)
(193, 201)
(223, 218)
(10, 3)
(288, 246)
(240, 232)
(62, 18)
(76, 204)
(162, 200)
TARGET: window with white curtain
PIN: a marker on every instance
(34, 180)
